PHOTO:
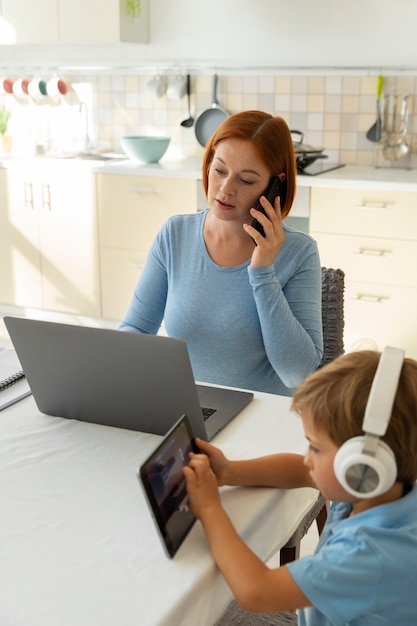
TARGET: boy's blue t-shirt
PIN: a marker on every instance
(364, 570)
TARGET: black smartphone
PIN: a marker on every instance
(275, 188)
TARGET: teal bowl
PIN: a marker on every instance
(145, 149)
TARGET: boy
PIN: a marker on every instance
(364, 570)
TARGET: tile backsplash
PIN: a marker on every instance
(334, 112)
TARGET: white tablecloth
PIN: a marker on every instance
(77, 544)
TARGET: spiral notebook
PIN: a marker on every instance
(13, 383)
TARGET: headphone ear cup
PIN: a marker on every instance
(364, 475)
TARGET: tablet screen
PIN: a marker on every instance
(164, 485)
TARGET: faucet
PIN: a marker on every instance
(87, 145)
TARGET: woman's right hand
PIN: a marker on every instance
(218, 462)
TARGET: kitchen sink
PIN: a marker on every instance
(87, 156)
(99, 157)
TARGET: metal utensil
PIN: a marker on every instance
(395, 125)
(190, 120)
(375, 132)
(209, 120)
(395, 152)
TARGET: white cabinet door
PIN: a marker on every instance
(131, 210)
(75, 21)
(32, 22)
(381, 261)
(120, 271)
(69, 241)
(98, 22)
(378, 316)
(48, 239)
(21, 282)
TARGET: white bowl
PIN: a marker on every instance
(145, 149)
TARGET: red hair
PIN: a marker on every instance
(271, 138)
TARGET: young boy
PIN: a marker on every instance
(364, 570)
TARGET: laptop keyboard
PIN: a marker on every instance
(207, 412)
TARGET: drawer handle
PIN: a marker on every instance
(144, 190)
(46, 196)
(376, 206)
(28, 194)
(372, 252)
(367, 298)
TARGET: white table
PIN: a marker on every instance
(77, 544)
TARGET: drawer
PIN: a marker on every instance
(120, 271)
(131, 209)
(367, 259)
(380, 315)
(374, 213)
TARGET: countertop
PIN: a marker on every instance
(357, 177)
(180, 168)
(351, 176)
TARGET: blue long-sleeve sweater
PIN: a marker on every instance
(251, 327)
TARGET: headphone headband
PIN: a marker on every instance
(383, 390)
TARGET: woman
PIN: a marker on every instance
(248, 306)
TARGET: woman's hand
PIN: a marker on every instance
(267, 247)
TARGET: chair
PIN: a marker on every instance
(332, 311)
(332, 301)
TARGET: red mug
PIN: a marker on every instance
(6, 85)
(20, 89)
(56, 86)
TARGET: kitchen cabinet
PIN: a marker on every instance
(48, 238)
(32, 22)
(311, 34)
(76, 21)
(131, 210)
(372, 236)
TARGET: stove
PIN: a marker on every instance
(318, 167)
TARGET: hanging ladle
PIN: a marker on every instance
(190, 120)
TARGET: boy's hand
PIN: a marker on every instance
(201, 484)
(218, 462)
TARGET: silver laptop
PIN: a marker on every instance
(114, 378)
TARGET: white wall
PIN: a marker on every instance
(373, 35)
(285, 32)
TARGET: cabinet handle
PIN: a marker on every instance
(372, 252)
(138, 266)
(46, 196)
(368, 298)
(28, 194)
(376, 206)
(144, 190)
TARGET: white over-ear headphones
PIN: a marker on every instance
(365, 466)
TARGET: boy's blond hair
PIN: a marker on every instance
(336, 396)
